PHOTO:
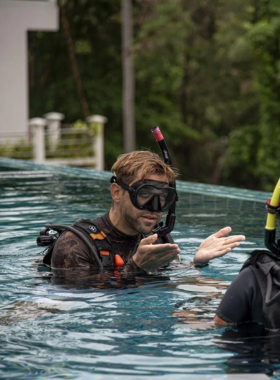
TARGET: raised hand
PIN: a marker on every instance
(216, 245)
(151, 256)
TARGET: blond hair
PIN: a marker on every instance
(141, 163)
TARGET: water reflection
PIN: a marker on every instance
(152, 326)
(256, 349)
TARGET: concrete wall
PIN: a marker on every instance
(16, 18)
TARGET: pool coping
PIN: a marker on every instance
(182, 186)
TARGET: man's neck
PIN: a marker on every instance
(118, 223)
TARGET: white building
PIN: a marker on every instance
(16, 18)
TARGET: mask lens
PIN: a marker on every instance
(147, 193)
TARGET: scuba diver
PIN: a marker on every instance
(130, 238)
(254, 295)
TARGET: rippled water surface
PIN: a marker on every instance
(154, 328)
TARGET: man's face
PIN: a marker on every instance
(139, 221)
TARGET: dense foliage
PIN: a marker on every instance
(207, 72)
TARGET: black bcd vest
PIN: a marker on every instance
(266, 268)
(99, 240)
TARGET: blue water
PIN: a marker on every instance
(158, 328)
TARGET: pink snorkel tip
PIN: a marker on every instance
(157, 134)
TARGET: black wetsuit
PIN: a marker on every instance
(254, 296)
(70, 251)
(243, 300)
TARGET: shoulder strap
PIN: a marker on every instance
(94, 233)
(76, 231)
(265, 266)
(257, 256)
(100, 240)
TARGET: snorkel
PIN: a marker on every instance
(273, 208)
(161, 230)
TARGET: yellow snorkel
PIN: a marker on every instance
(273, 207)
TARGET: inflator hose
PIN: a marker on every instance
(81, 236)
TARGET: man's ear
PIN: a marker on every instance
(116, 192)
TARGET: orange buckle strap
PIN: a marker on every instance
(118, 260)
(100, 236)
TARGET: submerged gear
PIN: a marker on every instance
(99, 238)
(149, 195)
(91, 234)
(266, 268)
(255, 294)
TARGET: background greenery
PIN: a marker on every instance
(207, 72)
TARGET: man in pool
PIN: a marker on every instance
(124, 237)
(254, 295)
(250, 297)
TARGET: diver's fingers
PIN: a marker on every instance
(158, 247)
(233, 239)
(159, 253)
(165, 252)
(223, 251)
(168, 257)
(147, 243)
(218, 253)
(149, 239)
(221, 233)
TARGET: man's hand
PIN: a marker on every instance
(149, 256)
(216, 245)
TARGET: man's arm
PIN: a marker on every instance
(242, 301)
(220, 322)
(216, 245)
(70, 252)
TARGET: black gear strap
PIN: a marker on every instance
(272, 209)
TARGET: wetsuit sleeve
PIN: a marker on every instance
(242, 301)
(132, 268)
(71, 252)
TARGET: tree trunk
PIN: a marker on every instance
(73, 61)
(128, 77)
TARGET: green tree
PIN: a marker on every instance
(207, 72)
(193, 67)
(254, 148)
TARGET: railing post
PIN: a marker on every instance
(54, 123)
(37, 126)
(97, 122)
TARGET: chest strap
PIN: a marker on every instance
(101, 241)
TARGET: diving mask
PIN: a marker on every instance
(149, 195)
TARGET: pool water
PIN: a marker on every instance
(149, 328)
